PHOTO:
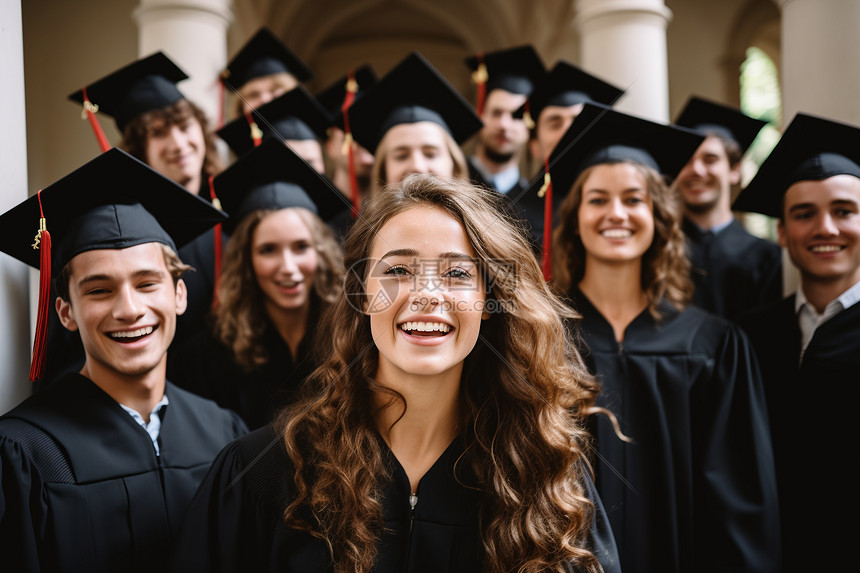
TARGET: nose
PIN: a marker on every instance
(826, 226)
(177, 137)
(417, 163)
(127, 306)
(617, 212)
(288, 261)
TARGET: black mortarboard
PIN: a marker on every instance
(334, 95)
(601, 135)
(112, 202)
(411, 92)
(147, 84)
(728, 122)
(272, 176)
(296, 115)
(263, 55)
(515, 70)
(567, 85)
(811, 149)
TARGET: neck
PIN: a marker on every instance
(291, 324)
(418, 435)
(615, 291)
(491, 166)
(139, 392)
(821, 293)
(711, 219)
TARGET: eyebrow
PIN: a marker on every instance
(414, 253)
(625, 192)
(136, 274)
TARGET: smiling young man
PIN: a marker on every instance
(808, 345)
(98, 468)
(733, 271)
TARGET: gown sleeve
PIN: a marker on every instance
(23, 508)
(602, 540)
(734, 477)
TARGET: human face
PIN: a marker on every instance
(551, 126)
(503, 136)
(124, 304)
(706, 180)
(309, 150)
(426, 272)
(415, 148)
(284, 260)
(615, 217)
(177, 151)
(264, 89)
(821, 229)
(362, 158)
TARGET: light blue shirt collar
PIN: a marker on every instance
(503, 181)
(153, 428)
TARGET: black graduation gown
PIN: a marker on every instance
(82, 488)
(695, 491)
(235, 522)
(733, 271)
(206, 367)
(200, 254)
(813, 417)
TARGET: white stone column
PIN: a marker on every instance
(820, 54)
(15, 338)
(624, 42)
(193, 33)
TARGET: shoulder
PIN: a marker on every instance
(204, 411)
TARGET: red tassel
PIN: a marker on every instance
(546, 192)
(89, 114)
(349, 98)
(480, 77)
(256, 132)
(40, 343)
(217, 204)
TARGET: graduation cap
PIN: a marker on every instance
(601, 135)
(296, 115)
(338, 99)
(811, 149)
(567, 85)
(263, 55)
(142, 86)
(715, 118)
(514, 70)
(112, 202)
(410, 93)
(335, 95)
(272, 176)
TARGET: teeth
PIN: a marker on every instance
(426, 326)
(132, 333)
(826, 248)
(616, 233)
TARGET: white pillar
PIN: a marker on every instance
(193, 33)
(15, 339)
(624, 42)
(820, 53)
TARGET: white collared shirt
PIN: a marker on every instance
(502, 181)
(153, 428)
(809, 319)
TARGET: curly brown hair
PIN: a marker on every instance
(136, 133)
(241, 311)
(524, 396)
(665, 266)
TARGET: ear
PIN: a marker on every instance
(735, 174)
(780, 230)
(181, 297)
(66, 314)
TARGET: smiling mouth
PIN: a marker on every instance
(429, 329)
(826, 248)
(132, 335)
(617, 233)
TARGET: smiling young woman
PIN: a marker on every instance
(438, 434)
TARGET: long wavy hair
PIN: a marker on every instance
(524, 396)
(241, 311)
(665, 266)
(136, 134)
(377, 172)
